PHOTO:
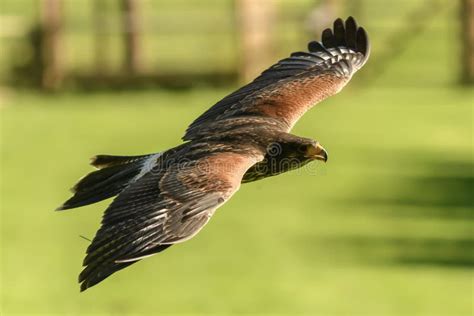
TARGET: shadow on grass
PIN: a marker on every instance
(444, 193)
(405, 251)
(427, 196)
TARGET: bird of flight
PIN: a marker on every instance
(166, 198)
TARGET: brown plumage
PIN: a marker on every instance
(166, 198)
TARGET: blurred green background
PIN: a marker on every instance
(384, 228)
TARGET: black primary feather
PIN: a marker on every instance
(328, 38)
(363, 42)
(351, 29)
(339, 33)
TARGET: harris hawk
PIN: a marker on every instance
(166, 198)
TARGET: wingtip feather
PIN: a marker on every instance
(363, 41)
(93, 161)
(344, 33)
(60, 208)
(327, 38)
(339, 32)
(351, 21)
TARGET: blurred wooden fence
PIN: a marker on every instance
(261, 31)
(467, 18)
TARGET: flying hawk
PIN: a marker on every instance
(166, 198)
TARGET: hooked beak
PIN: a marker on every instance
(318, 153)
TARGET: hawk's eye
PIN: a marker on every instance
(302, 149)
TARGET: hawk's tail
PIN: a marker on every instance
(114, 175)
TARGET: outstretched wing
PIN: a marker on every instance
(289, 88)
(165, 206)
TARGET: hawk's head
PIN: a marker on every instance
(297, 148)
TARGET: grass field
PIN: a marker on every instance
(384, 228)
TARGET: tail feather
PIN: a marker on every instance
(103, 161)
(114, 175)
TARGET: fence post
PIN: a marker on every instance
(51, 21)
(100, 36)
(467, 18)
(255, 24)
(131, 18)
